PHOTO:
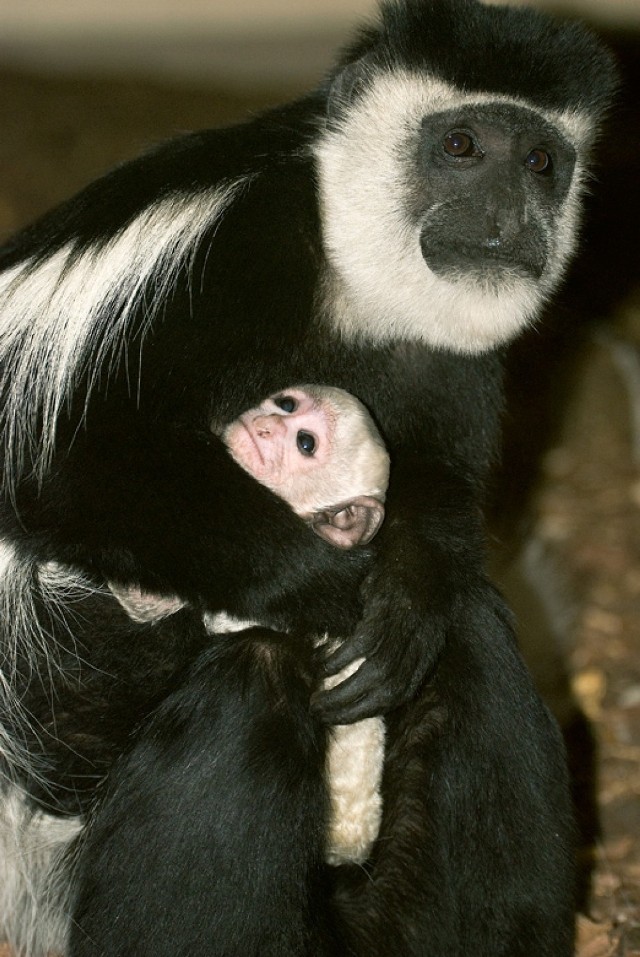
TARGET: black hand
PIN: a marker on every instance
(399, 638)
(427, 573)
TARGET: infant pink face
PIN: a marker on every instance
(287, 437)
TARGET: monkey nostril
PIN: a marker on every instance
(493, 233)
(262, 426)
(268, 426)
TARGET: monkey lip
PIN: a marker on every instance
(492, 258)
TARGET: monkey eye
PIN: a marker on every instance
(538, 161)
(306, 443)
(457, 143)
(286, 402)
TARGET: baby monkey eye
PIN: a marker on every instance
(286, 402)
(538, 161)
(457, 143)
(306, 443)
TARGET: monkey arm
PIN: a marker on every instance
(170, 510)
(428, 572)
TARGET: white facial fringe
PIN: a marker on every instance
(380, 284)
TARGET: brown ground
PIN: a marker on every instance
(56, 134)
(589, 520)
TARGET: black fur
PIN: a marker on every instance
(222, 793)
(85, 693)
(529, 52)
(214, 820)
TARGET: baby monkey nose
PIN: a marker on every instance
(269, 426)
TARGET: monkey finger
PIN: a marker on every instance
(347, 654)
(349, 714)
(363, 695)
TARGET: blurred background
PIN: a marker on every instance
(86, 84)
(243, 42)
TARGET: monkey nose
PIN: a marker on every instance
(269, 426)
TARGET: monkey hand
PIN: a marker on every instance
(400, 636)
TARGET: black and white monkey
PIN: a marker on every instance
(386, 234)
(318, 449)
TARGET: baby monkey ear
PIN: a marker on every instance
(353, 523)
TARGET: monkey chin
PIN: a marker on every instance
(464, 311)
(482, 309)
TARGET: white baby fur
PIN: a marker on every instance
(379, 280)
(355, 760)
(72, 311)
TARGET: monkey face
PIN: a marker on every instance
(283, 443)
(449, 216)
(490, 185)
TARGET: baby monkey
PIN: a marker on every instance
(317, 448)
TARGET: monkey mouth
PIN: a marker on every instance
(523, 259)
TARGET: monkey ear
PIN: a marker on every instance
(353, 523)
(345, 86)
(144, 605)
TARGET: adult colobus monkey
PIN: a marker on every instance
(385, 234)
